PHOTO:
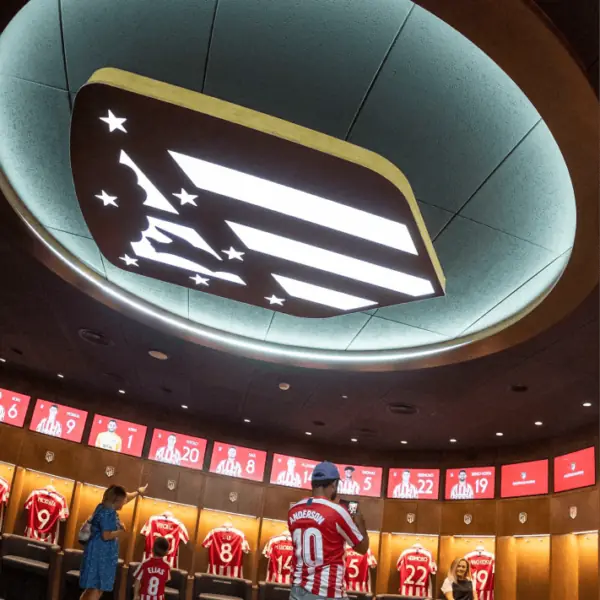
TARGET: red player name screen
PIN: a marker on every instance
(177, 449)
(58, 421)
(413, 484)
(360, 481)
(524, 479)
(118, 436)
(575, 470)
(472, 483)
(237, 461)
(292, 471)
(13, 407)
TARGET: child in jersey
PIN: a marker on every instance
(152, 575)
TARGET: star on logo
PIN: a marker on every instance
(275, 300)
(186, 198)
(114, 122)
(129, 261)
(106, 199)
(233, 254)
(199, 280)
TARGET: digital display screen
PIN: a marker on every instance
(575, 470)
(118, 436)
(177, 449)
(13, 407)
(237, 461)
(58, 421)
(414, 484)
(524, 479)
(356, 480)
(292, 471)
(473, 483)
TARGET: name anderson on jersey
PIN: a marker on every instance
(308, 514)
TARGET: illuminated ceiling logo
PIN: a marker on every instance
(191, 190)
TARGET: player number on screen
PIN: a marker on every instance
(412, 571)
(13, 413)
(226, 554)
(191, 454)
(153, 584)
(70, 425)
(481, 577)
(425, 486)
(43, 518)
(129, 442)
(353, 568)
(368, 484)
(283, 565)
(251, 466)
(481, 485)
(311, 542)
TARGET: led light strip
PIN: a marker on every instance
(332, 262)
(294, 203)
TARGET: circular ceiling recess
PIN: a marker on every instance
(498, 194)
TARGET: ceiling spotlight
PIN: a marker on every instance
(499, 434)
(453, 440)
(158, 355)
(3, 360)
(345, 397)
(587, 404)
(247, 421)
(403, 442)
(284, 386)
(538, 423)
(121, 391)
(308, 433)
(184, 406)
(60, 375)
(353, 440)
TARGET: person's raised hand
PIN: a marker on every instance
(142, 490)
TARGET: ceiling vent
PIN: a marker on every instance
(95, 337)
(402, 409)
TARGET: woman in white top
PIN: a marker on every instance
(459, 585)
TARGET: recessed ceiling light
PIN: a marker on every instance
(184, 406)
(121, 391)
(353, 440)
(158, 355)
(587, 404)
(60, 375)
(452, 440)
(403, 442)
(345, 397)
(499, 434)
(3, 360)
(538, 423)
(308, 433)
(247, 421)
(284, 386)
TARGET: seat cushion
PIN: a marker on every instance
(73, 574)
(25, 564)
(171, 593)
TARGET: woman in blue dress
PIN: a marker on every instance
(101, 554)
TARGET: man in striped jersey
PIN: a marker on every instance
(462, 490)
(49, 425)
(406, 490)
(320, 528)
(169, 453)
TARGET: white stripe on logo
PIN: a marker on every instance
(294, 203)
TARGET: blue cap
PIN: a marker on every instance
(325, 471)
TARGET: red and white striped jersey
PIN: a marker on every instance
(320, 529)
(483, 568)
(172, 456)
(168, 527)
(229, 466)
(4, 490)
(349, 487)
(226, 549)
(153, 573)
(46, 509)
(358, 571)
(462, 491)
(406, 491)
(49, 427)
(280, 551)
(416, 566)
(290, 479)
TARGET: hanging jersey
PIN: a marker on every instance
(416, 566)
(168, 527)
(348, 486)
(153, 573)
(289, 479)
(109, 441)
(406, 491)
(229, 467)
(358, 571)
(46, 509)
(4, 490)
(279, 550)
(483, 567)
(49, 427)
(320, 529)
(168, 455)
(226, 548)
(462, 491)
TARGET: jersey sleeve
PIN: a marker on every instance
(347, 528)
(400, 562)
(245, 545)
(208, 540)
(119, 444)
(139, 572)
(146, 528)
(29, 501)
(432, 567)
(371, 560)
(184, 536)
(64, 510)
(267, 549)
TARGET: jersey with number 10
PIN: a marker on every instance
(226, 548)
(482, 569)
(46, 509)
(416, 566)
(153, 574)
(320, 529)
(358, 575)
(279, 550)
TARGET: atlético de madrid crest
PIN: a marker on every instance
(109, 471)
(573, 512)
(522, 517)
(233, 496)
(411, 517)
(468, 519)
